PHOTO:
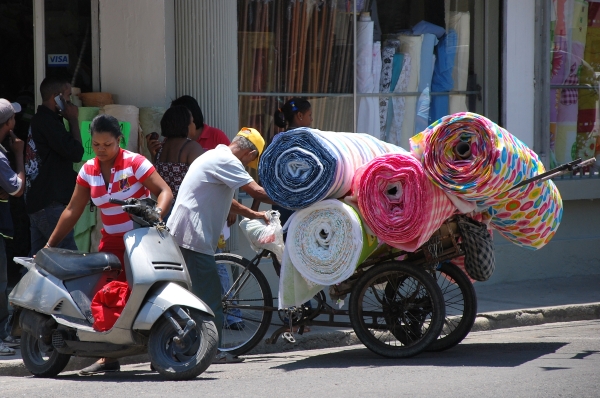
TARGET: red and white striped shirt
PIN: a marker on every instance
(127, 175)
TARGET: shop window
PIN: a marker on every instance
(68, 41)
(574, 81)
(413, 62)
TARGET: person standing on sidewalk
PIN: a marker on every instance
(204, 200)
(12, 183)
(51, 152)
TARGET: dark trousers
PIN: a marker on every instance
(3, 286)
(42, 224)
(206, 284)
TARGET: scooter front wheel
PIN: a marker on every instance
(189, 357)
(41, 360)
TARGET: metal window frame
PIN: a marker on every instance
(541, 137)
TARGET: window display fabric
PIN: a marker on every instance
(411, 45)
(303, 166)
(570, 31)
(423, 27)
(460, 22)
(397, 66)
(442, 75)
(325, 243)
(394, 133)
(387, 59)
(528, 216)
(425, 75)
(368, 72)
(588, 131)
(398, 202)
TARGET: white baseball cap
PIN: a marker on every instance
(7, 109)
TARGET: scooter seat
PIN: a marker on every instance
(71, 264)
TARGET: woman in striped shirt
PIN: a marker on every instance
(113, 173)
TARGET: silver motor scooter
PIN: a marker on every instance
(52, 312)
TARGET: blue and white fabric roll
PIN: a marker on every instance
(303, 166)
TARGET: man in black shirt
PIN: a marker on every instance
(51, 152)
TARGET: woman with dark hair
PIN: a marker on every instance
(295, 113)
(113, 173)
(178, 151)
(207, 136)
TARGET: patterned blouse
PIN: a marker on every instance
(172, 172)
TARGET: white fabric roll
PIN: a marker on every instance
(460, 22)
(325, 241)
(368, 72)
(364, 57)
(399, 103)
(412, 46)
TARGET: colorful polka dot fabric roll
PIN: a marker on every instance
(469, 156)
(531, 219)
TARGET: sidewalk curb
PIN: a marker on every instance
(342, 338)
(536, 316)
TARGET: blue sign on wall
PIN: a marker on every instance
(58, 59)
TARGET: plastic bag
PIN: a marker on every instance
(108, 303)
(265, 236)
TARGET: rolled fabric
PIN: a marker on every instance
(398, 202)
(303, 166)
(531, 219)
(326, 242)
(469, 156)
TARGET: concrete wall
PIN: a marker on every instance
(572, 251)
(137, 51)
(518, 67)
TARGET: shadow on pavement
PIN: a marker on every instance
(487, 355)
(128, 375)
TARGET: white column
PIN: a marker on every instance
(206, 53)
(519, 53)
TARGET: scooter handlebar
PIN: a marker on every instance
(118, 202)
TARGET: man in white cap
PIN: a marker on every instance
(12, 183)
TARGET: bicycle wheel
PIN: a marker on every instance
(245, 320)
(461, 306)
(396, 310)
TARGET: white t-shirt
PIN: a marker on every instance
(204, 199)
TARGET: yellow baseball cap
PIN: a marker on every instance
(254, 137)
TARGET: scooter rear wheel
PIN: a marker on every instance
(192, 356)
(41, 360)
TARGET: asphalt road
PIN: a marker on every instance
(553, 360)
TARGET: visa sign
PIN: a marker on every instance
(58, 59)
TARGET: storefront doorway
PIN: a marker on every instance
(42, 38)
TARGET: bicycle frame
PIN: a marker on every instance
(428, 257)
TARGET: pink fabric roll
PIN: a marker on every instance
(398, 202)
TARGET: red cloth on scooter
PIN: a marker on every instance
(114, 244)
(108, 303)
